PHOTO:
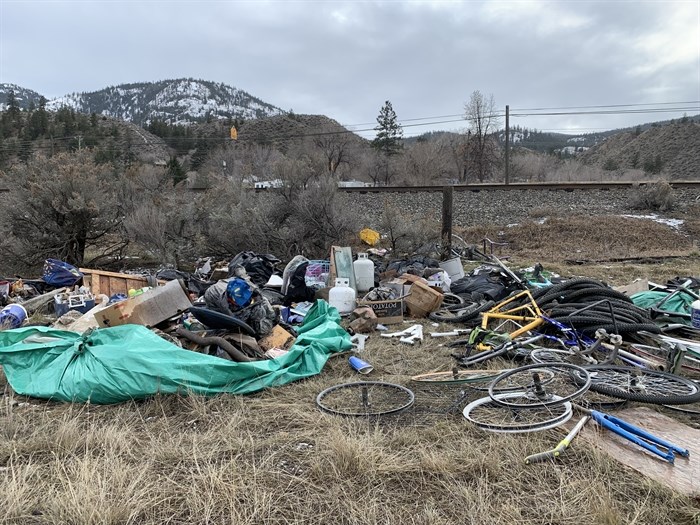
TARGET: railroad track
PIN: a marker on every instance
(564, 186)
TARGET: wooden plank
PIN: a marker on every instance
(680, 476)
(109, 274)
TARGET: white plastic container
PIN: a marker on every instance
(342, 297)
(695, 314)
(364, 273)
(454, 268)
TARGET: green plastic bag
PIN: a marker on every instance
(111, 365)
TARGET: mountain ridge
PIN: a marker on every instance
(175, 101)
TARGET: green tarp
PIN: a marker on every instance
(679, 303)
(117, 364)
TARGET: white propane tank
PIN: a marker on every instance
(695, 314)
(364, 273)
(342, 297)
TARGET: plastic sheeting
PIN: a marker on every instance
(679, 303)
(117, 364)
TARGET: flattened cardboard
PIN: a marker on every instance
(682, 476)
(149, 308)
(278, 338)
(387, 312)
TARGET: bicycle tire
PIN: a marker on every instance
(444, 315)
(452, 300)
(642, 385)
(566, 371)
(332, 400)
(477, 413)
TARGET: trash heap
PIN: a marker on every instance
(255, 322)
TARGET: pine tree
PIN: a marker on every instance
(389, 136)
(389, 132)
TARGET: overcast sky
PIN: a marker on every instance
(344, 59)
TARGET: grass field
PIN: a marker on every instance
(275, 458)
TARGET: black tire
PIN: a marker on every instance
(460, 315)
(642, 385)
(451, 300)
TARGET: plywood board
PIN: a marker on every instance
(681, 476)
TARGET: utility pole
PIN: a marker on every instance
(507, 144)
(80, 141)
(447, 222)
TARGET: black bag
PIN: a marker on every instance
(258, 267)
(297, 291)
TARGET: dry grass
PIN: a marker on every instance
(597, 243)
(273, 458)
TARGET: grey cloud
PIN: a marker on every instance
(344, 59)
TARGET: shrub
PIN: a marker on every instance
(657, 196)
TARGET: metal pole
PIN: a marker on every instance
(507, 144)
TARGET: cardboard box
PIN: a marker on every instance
(402, 287)
(422, 300)
(278, 338)
(149, 308)
(387, 312)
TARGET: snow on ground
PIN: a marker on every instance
(673, 223)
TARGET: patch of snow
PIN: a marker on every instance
(673, 223)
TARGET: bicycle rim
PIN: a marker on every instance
(365, 398)
(540, 385)
(488, 415)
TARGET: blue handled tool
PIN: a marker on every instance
(638, 436)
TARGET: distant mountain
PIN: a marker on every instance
(672, 148)
(289, 129)
(24, 97)
(180, 101)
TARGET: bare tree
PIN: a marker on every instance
(426, 162)
(335, 146)
(480, 113)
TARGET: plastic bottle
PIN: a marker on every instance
(342, 297)
(364, 273)
(695, 314)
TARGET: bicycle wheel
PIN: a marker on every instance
(553, 355)
(365, 398)
(457, 376)
(641, 384)
(540, 385)
(488, 414)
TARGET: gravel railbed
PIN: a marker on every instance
(501, 207)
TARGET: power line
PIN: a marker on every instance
(608, 106)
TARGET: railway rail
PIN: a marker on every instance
(564, 186)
